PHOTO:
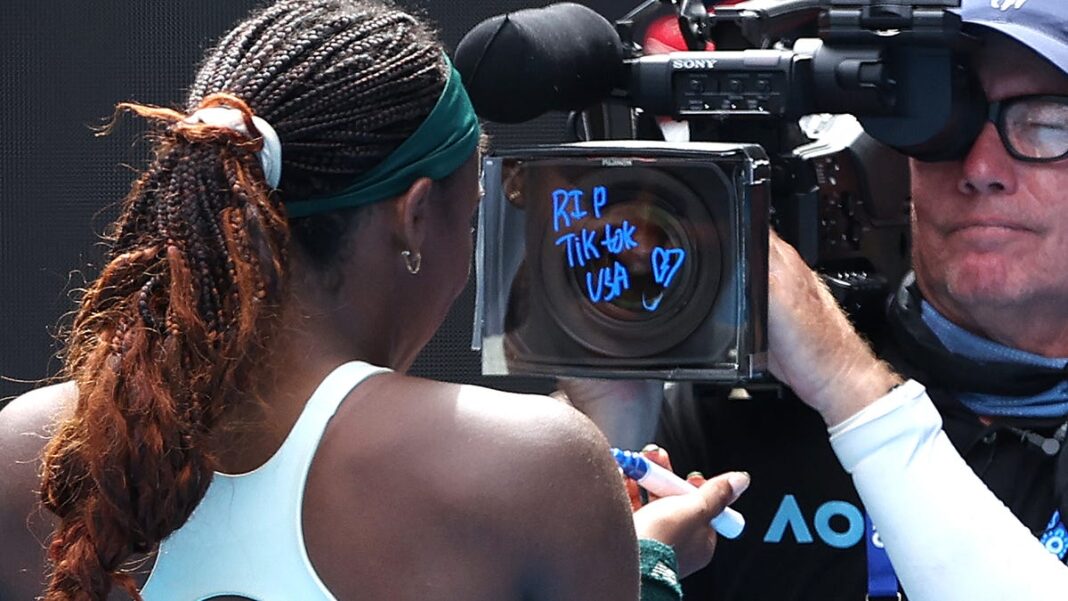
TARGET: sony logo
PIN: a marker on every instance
(693, 63)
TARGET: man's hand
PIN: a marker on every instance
(682, 521)
(812, 346)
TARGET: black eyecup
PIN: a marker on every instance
(967, 118)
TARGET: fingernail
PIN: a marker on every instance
(697, 474)
(739, 481)
(650, 448)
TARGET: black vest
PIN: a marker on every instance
(800, 538)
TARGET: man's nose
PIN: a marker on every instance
(988, 168)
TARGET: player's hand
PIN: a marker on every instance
(682, 521)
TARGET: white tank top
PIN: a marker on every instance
(245, 537)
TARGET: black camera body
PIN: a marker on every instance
(620, 259)
(757, 155)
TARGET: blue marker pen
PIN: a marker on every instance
(664, 482)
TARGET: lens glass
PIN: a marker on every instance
(625, 257)
(643, 247)
(1036, 127)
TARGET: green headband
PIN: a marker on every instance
(439, 147)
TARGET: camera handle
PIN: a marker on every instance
(694, 21)
(839, 19)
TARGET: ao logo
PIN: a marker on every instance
(1007, 4)
(1055, 544)
(789, 516)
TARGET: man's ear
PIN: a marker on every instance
(412, 210)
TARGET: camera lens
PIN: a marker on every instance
(651, 223)
(628, 259)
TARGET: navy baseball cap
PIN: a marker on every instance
(1041, 25)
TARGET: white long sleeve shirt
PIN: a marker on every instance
(948, 537)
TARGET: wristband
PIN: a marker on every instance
(659, 571)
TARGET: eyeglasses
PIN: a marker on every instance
(1032, 128)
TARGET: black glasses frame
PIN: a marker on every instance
(996, 112)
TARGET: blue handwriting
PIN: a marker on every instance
(606, 283)
(621, 239)
(611, 282)
(581, 247)
(666, 263)
(567, 206)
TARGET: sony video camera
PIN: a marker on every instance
(641, 250)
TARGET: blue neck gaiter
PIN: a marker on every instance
(1047, 404)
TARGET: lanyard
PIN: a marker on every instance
(882, 581)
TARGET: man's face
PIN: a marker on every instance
(991, 232)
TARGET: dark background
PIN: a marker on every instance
(64, 64)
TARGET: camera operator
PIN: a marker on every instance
(952, 443)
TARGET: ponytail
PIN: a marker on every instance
(162, 346)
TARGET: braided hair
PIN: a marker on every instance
(165, 340)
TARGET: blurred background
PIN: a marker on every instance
(64, 64)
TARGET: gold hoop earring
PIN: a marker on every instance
(413, 261)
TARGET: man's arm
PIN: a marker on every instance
(947, 535)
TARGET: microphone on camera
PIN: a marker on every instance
(520, 65)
